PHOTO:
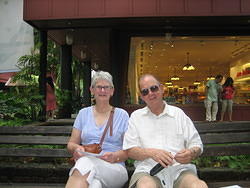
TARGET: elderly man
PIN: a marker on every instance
(161, 133)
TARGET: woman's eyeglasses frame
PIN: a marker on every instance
(99, 87)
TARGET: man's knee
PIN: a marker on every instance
(146, 182)
(198, 184)
(189, 180)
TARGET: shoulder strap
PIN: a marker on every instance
(109, 124)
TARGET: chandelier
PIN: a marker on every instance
(210, 77)
(168, 82)
(188, 66)
(196, 82)
(175, 77)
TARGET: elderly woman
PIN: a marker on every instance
(106, 169)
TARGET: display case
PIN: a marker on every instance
(242, 95)
(240, 72)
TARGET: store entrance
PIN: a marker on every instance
(184, 65)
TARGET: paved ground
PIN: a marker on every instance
(29, 185)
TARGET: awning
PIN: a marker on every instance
(4, 77)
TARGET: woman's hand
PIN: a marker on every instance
(77, 153)
(110, 157)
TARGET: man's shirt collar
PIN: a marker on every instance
(168, 110)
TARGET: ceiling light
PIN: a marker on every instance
(168, 36)
(197, 82)
(188, 66)
(202, 43)
(210, 78)
(95, 66)
(83, 54)
(171, 44)
(175, 77)
(69, 38)
(168, 82)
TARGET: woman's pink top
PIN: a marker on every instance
(228, 92)
(50, 98)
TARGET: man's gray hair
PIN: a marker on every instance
(148, 75)
(101, 75)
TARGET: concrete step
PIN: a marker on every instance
(30, 185)
(245, 184)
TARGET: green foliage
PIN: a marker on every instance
(21, 105)
(18, 106)
(130, 162)
(241, 162)
(53, 64)
(236, 162)
(63, 96)
(13, 122)
(29, 65)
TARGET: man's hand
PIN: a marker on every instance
(187, 155)
(163, 157)
(184, 156)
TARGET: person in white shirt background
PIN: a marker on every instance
(161, 133)
(212, 92)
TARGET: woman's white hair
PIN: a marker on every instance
(101, 75)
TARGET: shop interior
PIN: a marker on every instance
(184, 65)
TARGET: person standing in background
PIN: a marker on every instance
(228, 93)
(50, 98)
(212, 91)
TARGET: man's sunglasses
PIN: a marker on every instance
(153, 89)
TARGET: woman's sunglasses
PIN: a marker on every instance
(153, 89)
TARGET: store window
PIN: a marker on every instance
(169, 57)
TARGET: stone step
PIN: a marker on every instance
(30, 185)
